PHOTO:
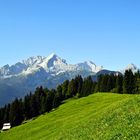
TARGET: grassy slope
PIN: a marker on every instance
(101, 116)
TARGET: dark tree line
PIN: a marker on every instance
(128, 83)
(44, 100)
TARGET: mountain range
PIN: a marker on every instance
(19, 79)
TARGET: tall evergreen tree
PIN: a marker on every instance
(119, 84)
(87, 87)
(79, 83)
(50, 99)
(103, 84)
(27, 106)
(109, 83)
(34, 106)
(6, 113)
(93, 87)
(137, 83)
(128, 82)
(99, 81)
(56, 101)
(65, 88)
(43, 104)
(59, 92)
(72, 88)
(16, 112)
(1, 117)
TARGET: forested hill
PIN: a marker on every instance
(44, 100)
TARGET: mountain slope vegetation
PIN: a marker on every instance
(99, 116)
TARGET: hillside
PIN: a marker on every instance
(99, 116)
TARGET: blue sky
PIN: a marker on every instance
(104, 31)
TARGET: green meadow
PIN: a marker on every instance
(100, 116)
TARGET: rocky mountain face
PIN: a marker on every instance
(21, 78)
(131, 67)
(52, 65)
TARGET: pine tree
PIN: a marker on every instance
(65, 88)
(119, 84)
(79, 83)
(34, 106)
(137, 83)
(27, 106)
(103, 84)
(72, 88)
(43, 105)
(56, 101)
(50, 99)
(59, 92)
(128, 82)
(1, 117)
(94, 86)
(87, 87)
(99, 81)
(6, 113)
(109, 83)
(16, 112)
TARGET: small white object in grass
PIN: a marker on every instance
(6, 126)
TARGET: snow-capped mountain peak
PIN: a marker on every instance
(33, 60)
(90, 66)
(93, 66)
(52, 64)
(52, 56)
(131, 67)
(53, 61)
